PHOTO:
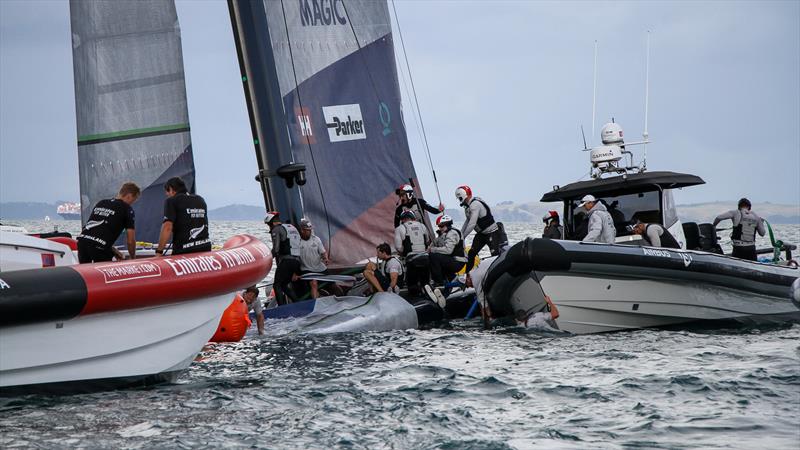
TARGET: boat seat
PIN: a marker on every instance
(692, 234)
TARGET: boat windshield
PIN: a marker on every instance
(624, 209)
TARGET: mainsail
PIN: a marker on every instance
(130, 97)
(335, 68)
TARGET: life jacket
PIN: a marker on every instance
(414, 241)
(483, 222)
(667, 239)
(291, 244)
(458, 251)
(744, 232)
(382, 266)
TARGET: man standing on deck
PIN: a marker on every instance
(410, 241)
(286, 251)
(313, 257)
(601, 225)
(408, 202)
(479, 218)
(745, 225)
(109, 217)
(185, 220)
(655, 234)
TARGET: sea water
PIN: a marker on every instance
(451, 388)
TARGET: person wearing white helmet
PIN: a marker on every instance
(410, 241)
(286, 251)
(446, 254)
(407, 201)
(552, 226)
(601, 225)
(480, 219)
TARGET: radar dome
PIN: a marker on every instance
(611, 133)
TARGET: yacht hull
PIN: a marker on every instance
(599, 287)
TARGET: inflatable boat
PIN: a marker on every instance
(602, 287)
(104, 325)
(629, 284)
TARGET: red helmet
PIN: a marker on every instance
(463, 193)
(550, 216)
(443, 220)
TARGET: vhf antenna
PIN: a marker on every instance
(645, 134)
(594, 88)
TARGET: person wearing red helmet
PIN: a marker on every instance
(552, 226)
(446, 254)
(407, 201)
(480, 219)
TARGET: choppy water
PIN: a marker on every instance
(448, 389)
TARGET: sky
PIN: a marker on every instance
(503, 89)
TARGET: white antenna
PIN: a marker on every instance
(645, 134)
(594, 88)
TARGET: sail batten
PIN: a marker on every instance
(130, 100)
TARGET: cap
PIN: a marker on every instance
(306, 224)
(586, 199)
(271, 215)
(408, 214)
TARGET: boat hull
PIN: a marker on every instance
(123, 321)
(110, 349)
(599, 287)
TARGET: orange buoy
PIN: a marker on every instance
(234, 322)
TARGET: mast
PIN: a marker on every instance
(278, 175)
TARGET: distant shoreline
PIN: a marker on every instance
(506, 211)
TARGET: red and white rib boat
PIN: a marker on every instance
(96, 326)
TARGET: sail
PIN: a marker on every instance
(335, 67)
(130, 98)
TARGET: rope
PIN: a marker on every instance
(416, 103)
(308, 144)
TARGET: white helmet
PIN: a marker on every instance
(463, 193)
(444, 219)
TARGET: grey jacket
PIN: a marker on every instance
(601, 225)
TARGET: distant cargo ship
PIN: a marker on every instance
(69, 211)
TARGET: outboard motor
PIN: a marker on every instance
(709, 241)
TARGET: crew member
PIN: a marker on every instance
(286, 251)
(446, 255)
(109, 217)
(313, 257)
(410, 240)
(601, 225)
(479, 218)
(552, 226)
(745, 225)
(655, 234)
(185, 220)
(384, 275)
(250, 297)
(408, 201)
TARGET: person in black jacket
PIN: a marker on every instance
(107, 220)
(407, 201)
(185, 220)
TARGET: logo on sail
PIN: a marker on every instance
(322, 12)
(344, 122)
(305, 128)
(386, 118)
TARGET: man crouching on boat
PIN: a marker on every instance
(109, 217)
(384, 275)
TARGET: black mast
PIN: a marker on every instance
(278, 175)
